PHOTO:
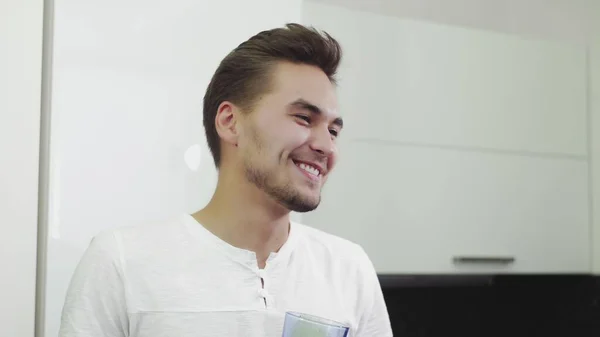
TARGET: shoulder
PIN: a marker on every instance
(174, 226)
(142, 238)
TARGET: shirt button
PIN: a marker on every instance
(263, 293)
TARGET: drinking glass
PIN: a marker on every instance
(303, 325)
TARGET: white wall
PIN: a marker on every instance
(128, 82)
(21, 24)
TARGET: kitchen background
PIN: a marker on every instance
(470, 158)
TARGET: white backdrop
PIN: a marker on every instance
(127, 141)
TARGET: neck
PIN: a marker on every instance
(244, 216)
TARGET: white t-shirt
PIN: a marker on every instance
(178, 279)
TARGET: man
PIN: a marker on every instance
(236, 266)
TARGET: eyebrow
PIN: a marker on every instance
(305, 105)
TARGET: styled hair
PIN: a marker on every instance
(245, 73)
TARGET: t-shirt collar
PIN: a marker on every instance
(243, 256)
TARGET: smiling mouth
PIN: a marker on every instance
(308, 170)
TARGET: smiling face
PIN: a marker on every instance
(287, 144)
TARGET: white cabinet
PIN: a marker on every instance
(465, 151)
(429, 84)
(416, 210)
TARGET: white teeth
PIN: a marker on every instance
(309, 169)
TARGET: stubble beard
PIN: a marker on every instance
(266, 180)
(285, 194)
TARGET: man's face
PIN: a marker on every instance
(288, 142)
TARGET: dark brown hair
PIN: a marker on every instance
(244, 74)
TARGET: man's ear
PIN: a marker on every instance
(227, 122)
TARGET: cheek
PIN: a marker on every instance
(292, 136)
(333, 159)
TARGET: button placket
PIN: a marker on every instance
(263, 291)
(263, 277)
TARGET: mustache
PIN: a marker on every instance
(313, 158)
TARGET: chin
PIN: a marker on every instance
(303, 203)
(303, 208)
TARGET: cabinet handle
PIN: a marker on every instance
(484, 259)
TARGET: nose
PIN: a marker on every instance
(322, 142)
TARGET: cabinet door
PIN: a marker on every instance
(434, 210)
(425, 83)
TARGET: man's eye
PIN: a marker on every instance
(333, 132)
(304, 118)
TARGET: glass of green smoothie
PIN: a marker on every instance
(304, 325)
